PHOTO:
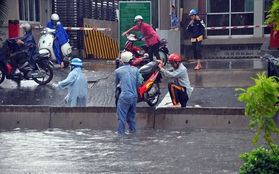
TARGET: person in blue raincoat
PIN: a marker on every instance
(130, 80)
(76, 82)
(25, 46)
(60, 37)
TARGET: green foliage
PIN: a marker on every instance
(261, 105)
(273, 15)
(260, 160)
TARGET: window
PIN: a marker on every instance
(230, 13)
(29, 10)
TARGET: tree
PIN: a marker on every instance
(262, 103)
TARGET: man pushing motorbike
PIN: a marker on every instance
(180, 90)
(150, 36)
(60, 37)
(20, 50)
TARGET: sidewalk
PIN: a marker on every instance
(214, 85)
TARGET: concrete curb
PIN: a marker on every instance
(43, 117)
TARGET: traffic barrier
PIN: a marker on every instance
(99, 45)
(236, 27)
(79, 28)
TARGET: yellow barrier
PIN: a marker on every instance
(99, 45)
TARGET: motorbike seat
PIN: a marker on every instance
(149, 68)
(144, 47)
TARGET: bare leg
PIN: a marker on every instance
(199, 66)
(175, 106)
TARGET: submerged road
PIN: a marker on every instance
(146, 151)
(59, 151)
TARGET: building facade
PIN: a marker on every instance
(215, 13)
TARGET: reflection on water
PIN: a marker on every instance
(147, 151)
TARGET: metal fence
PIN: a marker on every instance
(72, 12)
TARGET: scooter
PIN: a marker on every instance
(140, 55)
(149, 91)
(45, 45)
(42, 74)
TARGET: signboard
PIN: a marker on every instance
(127, 13)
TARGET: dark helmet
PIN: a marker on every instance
(193, 12)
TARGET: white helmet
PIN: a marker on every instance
(126, 56)
(137, 18)
(55, 17)
(26, 26)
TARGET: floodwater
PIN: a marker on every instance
(104, 151)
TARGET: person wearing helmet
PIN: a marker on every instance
(60, 37)
(25, 47)
(180, 90)
(130, 80)
(76, 82)
(150, 36)
(196, 29)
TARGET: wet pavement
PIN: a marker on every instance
(216, 81)
(147, 151)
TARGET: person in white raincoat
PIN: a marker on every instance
(76, 82)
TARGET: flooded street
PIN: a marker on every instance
(147, 151)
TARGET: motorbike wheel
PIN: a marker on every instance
(47, 78)
(2, 76)
(163, 57)
(153, 94)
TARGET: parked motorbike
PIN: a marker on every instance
(140, 54)
(149, 91)
(272, 65)
(45, 45)
(42, 74)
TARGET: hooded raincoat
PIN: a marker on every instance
(61, 38)
(29, 47)
(76, 82)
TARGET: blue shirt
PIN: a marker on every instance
(174, 20)
(130, 80)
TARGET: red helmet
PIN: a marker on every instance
(174, 58)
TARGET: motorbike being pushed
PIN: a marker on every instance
(141, 56)
(42, 74)
(149, 91)
(45, 45)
